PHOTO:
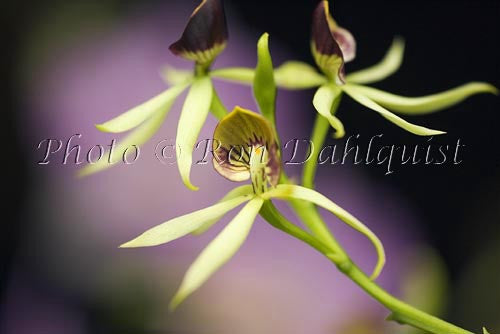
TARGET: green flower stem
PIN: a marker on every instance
(322, 237)
(401, 312)
(272, 215)
(308, 214)
(320, 131)
(306, 211)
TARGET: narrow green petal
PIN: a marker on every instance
(297, 192)
(426, 104)
(324, 100)
(174, 76)
(139, 114)
(180, 226)
(217, 107)
(264, 87)
(485, 331)
(236, 192)
(219, 251)
(193, 116)
(298, 75)
(367, 102)
(128, 146)
(236, 74)
(388, 66)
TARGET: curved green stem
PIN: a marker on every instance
(272, 215)
(320, 131)
(305, 210)
(401, 312)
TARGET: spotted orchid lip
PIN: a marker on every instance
(205, 35)
(332, 46)
(244, 142)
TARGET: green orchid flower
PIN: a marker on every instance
(245, 147)
(204, 37)
(332, 46)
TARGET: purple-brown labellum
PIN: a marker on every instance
(346, 42)
(205, 35)
(239, 135)
(331, 45)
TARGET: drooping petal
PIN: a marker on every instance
(180, 226)
(237, 74)
(205, 35)
(129, 145)
(426, 104)
(325, 99)
(287, 191)
(264, 87)
(193, 116)
(219, 251)
(298, 75)
(388, 66)
(236, 192)
(325, 49)
(367, 102)
(139, 114)
(238, 135)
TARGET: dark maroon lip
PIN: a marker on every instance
(322, 36)
(205, 30)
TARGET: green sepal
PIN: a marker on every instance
(218, 252)
(264, 86)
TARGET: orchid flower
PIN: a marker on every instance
(204, 37)
(332, 46)
(244, 147)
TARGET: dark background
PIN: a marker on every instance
(448, 43)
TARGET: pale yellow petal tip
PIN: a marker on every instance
(129, 244)
(264, 37)
(438, 132)
(338, 134)
(485, 331)
(103, 128)
(190, 186)
(399, 41)
(84, 172)
(493, 90)
(175, 302)
(482, 87)
(428, 132)
(378, 270)
(380, 263)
